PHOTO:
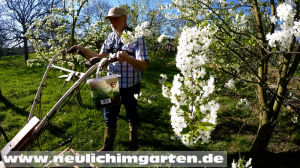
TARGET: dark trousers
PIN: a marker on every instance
(130, 104)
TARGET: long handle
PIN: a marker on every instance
(41, 85)
(56, 106)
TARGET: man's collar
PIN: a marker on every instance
(127, 29)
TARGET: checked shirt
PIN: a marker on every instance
(137, 50)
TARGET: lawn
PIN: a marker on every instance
(84, 124)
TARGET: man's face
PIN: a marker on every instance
(117, 23)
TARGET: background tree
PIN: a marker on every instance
(3, 37)
(92, 36)
(154, 13)
(77, 22)
(20, 14)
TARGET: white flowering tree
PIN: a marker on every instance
(243, 39)
(193, 114)
(66, 26)
(151, 12)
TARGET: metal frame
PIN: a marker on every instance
(34, 125)
(82, 77)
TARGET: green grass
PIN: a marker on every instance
(234, 133)
(84, 124)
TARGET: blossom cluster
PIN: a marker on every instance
(294, 119)
(243, 103)
(241, 163)
(193, 114)
(230, 84)
(48, 37)
(141, 30)
(240, 21)
(288, 27)
(144, 97)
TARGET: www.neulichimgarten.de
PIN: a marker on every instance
(120, 159)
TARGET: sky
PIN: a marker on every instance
(121, 2)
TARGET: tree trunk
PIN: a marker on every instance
(270, 111)
(73, 42)
(269, 118)
(26, 49)
(266, 126)
(262, 139)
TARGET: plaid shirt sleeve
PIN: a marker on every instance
(107, 43)
(141, 50)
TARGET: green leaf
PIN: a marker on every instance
(206, 126)
(185, 130)
(185, 108)
(167, 84)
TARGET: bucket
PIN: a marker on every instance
(105, 91)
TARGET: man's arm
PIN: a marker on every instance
(88, 54)
(136, 64)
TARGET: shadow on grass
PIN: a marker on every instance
(152, 75)
(233, 122)
(9, 105)
(57, 131)
(270, 160)
(156, 131)
(231, 126)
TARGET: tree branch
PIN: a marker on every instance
(240, 57)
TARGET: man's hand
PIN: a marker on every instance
(78, 49)
(122, 56)
(136, 64)
(74, 49)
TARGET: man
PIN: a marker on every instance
(133, 60)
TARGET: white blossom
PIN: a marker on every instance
(294, 119)
(177, 121)
(243, 103)
(166, 91)
(230, 84)
(288, 28)
(128, 37)
(209, 88)
(240, 21)
(190, 87)
(137, 96)
(186, 61)
(141, 30)
(222, 2)
(285, 11)
(296, 28)
(248, 163)
(241, 163)
(161, 38)
(234, 164)
(273, 19)
(163, 78)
